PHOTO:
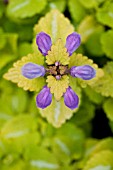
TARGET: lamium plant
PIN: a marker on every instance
(54, 70)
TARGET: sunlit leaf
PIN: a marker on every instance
(55, 86)
(78, 60)
(54, 24)
(14, 74)
(57, 113)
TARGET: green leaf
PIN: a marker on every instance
(3, 40)
(85, 113)
(23, 9)
(95, 97)
(87, 27)
(77, 11)
(108, 108)
(68, 140)
(105, 14)
(88, 3)
(95, 41)
(40, 158)
(54, 24)
(107, 43)
(104, 85)
(104, 144)
(57, 113)
(57, 4)
(24, 49)
(14, 74)
(103, 159)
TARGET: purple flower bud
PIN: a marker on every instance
(71, 100)
(44, 98)
(85, 72)
(44, 42)
(31, 70)
(72, 42)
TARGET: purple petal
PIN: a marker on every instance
(44, 98)
(85, 72)
(44, 42)
(72, 42)
(31, 70)
(71, 100)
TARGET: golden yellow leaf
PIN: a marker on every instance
(58, 87)
(58, 53)
(14, 74)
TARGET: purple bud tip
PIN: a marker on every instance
(58, 77)
(85, 72)
(57, 63)
(72, 42)
(44, 98)
(71, 100)
(44, 42)
(31, 70)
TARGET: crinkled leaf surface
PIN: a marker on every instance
(58, 53)
(78, 60)
(55, 86)
(102, 159)
(77, 11)
(57, 113)
(108, 108)
(104, 85)
(26, 8)
(105, 14)
(14, 74)
(107, 43)
(54, 24)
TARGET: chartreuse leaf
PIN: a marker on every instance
(57, 4)
(25, 48)
(95, 97)
(107, 43)
(85, 113)
(3, 40)
(105, 144)
(108, 108)
(54, 24)
(40, 158)
(68, 143)
(23, 9)
(95, 41)
(58, 53)
(88, 3)
(57, 113)
(16, 132)
(87, 27)
(104, 85)
(14, 74)
(78, 60)
(77, 11)
(55, 86)
(105, 14)
(101, 160)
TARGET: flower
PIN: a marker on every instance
(57, 70)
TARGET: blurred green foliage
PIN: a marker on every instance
(29, 142)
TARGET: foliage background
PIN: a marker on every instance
(27, 141)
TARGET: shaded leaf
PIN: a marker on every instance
(108, 108)
(26, 8)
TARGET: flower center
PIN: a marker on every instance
(57, 70)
